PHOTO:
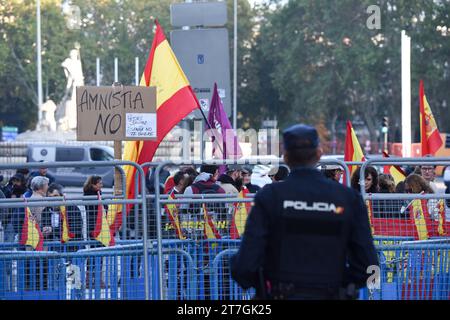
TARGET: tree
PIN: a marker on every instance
(320, 61)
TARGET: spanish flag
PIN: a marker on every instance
(172, 213)
(102, 231)
(370, 214)
(241, 211)
(442, 223)
(31, 232)
(66, 235)
(418, 212)
(395, 171)
(174, 101)
(210, 229)
(353, 151)
(430, 138)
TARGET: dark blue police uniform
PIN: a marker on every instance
(306, 238)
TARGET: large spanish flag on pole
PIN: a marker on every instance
(353, 151)
(174, 101)
(430, 138)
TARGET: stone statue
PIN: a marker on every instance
(67, 113)
(48, 116)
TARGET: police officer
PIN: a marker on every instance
(307, 237)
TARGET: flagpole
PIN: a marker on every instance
(406, 94)
(235, 43)
(209, 127)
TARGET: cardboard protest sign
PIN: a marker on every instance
(116, 113)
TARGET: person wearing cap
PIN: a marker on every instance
(333, 172)
(43, 172)
(247, 180)
(279, 173)
(306, 237)
(231, 179)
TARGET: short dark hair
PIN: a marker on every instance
(190, 171)
(301, 157)
(55, 186)
(209, 168)
(178, 177)
(281, 174)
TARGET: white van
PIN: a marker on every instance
(74, 176)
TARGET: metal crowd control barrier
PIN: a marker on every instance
(191, 268)
(138, 200)
(206, 199)
(400, 162)
(102, 273)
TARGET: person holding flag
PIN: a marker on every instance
(175, 100)
(65, 221)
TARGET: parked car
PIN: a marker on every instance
(74, 176)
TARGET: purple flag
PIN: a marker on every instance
(225, 143)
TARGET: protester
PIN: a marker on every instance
(181, 180)
(386, 208)
(39, 187)
(192, 174)
(92, 187)
(371, 180)
(333, 172)
(400, 187)
(230, 180)
(43, 172)
(247, 180)
(204, 183)
(16, 186)
(279, 173)
(417, 184)
(386, 183)
(428, 172)
(12, 219)
(24, 171)
(51, 216)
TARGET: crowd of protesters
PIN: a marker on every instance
(184, 183)
(418, 180)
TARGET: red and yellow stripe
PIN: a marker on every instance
(353, 151)
(241, 211)
(430, 138)
(419, 215)
(210, 228)
(172, 213)
(66, 235)
(102, 231)
(395, 171)
(31, 232)
(174, 101)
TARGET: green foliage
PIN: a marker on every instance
(313, 61)
(318, 60)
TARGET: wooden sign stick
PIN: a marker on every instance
(118, 181)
